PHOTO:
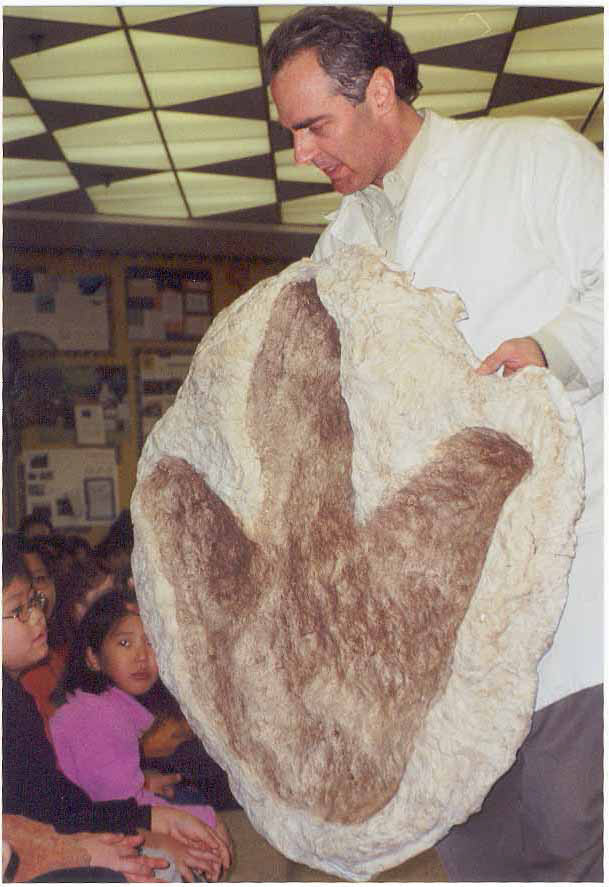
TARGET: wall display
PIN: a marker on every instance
(159, 377)
(167, 305)
(57, 312)
(74, 487)
(83, 404)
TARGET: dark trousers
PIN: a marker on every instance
(542, 820)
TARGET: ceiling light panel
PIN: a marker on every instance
(288, 171)
(19, 120)
(572, 49)
(132, 140)
(154, 195)
(143, 15)
(209, 194)
(97, 71)
(83, 15)
(309, 210)
(572, 107)
(28, 179)
(448, 26)
(201, 139)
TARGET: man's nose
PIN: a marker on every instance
(304, 146)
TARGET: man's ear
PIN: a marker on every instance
(381, 92)
(92, 660)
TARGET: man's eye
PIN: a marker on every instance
(16, 613)
(123, 643)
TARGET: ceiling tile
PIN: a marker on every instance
(309, 210)
(234, 23)
(448, 26)
(582, 65)
(201, 139)
(249, 104)
(19, 120)
(86, 15)
(165, 52)
(22, 36)
(260, 167)
(67, 202)
(452, 103)
(38, 147)
(289, 171)
(487, 54)
(89, 174)
(513, 88)
(97, 71)
(132, 140)
(26, 179)
(438, 79)
(141, 15)
(172, 89)
(154, 195)
(573, 107)
(293, 190)
(210, 194)
(60, 115)
(583, 32)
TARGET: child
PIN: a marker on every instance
(35, 788)
(96, 732)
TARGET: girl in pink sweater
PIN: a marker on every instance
(96, 731)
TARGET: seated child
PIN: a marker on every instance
(33, 786)
(96, 731)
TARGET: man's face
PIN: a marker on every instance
(343, 140)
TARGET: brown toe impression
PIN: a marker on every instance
(319, 644)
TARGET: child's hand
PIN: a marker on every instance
(121, 853)
(161, 783)
(211, 852)
(187, 863)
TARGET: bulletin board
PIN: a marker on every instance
(168, 305)
(75, 488)
(159, 376)
(75, 403)
(57, 312)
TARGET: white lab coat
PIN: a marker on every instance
(509, 214)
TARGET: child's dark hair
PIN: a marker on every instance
(97, 622)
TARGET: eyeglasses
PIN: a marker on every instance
(23, 612)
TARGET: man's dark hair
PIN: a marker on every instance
(350, 44)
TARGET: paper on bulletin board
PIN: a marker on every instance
(65, 312)
(75, 487)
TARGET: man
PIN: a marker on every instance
(509, 214)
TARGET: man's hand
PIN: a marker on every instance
(513, 355)
(209, 851)
(161, 783)
(120, 853)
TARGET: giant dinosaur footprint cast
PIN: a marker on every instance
(317, 628)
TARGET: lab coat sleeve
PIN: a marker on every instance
(566, 215)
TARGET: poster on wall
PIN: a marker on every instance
(159, 377)
(75, 403)
(73, 487)
(168, 305)
(57, 312)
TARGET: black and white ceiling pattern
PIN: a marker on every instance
(159, 112)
